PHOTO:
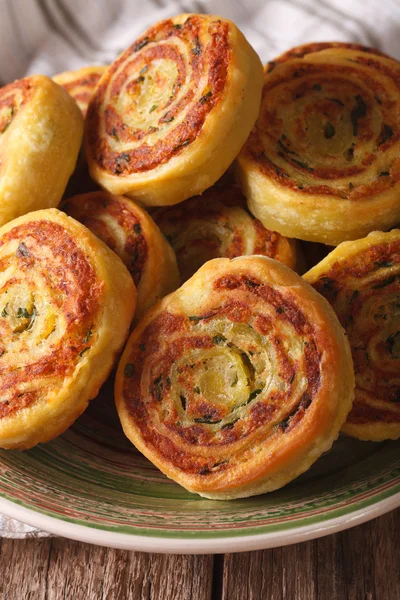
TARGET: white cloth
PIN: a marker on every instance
(50, 36)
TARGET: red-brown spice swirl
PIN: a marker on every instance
(56, 293)
(326, 143)
(207, 66)
(132, 234)
(361, 280)
(178, 88)
(80, 84)
(12, 97)
(225, 385)
(217, 224)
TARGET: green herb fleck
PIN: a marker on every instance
(229, 425)
(387, 263)
(32, 318)
(354, 295)
(204, 470)
(329, 131)
(384, 174)
(153, 108)
(303, 165)
(129, 370)
(283, 146)
(280, 310)
(387, 133)
(183, 401)
(22, 250)
(177, 26)
(142, 347)
(84, 350)
(253, 395)
(23, 313)
(204, 98)
(4, 312)
(87, 336)
(384, 282)
(207, 419)
(327, 283)
(195, 318)
(141, 44)
(8, 123)
(396, 396)
(158, 387)
(336, 100)
(393, 344)
(357, 113)
(196, 389)
(271, 66)
(197, 49)
(219, 339)
(121, 161)
(114, 134)
(182, 144)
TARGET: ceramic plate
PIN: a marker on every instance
(91, 484)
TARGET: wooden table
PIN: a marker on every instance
(359, 564)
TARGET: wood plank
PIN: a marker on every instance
(23, 568)
(63, 569)
(358, 564)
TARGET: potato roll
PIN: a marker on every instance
(322, 162)
(130, 232)
(217, 224)
(80, 84)
(236, 383)
(361, 280)
(66, 303)
(172, 112)
(40, 136)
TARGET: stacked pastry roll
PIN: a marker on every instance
(201, 169)
(322, 163)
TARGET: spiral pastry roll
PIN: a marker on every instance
(361, 280)
(80, 84)
(236, 383)
(66, 303)
(40, 136)
(172, 112)
(130, 232)
(322, 162)
(216, 224)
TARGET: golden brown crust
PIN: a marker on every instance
(130, 232)
(361, 281)
(217, 224)
(40, 135)
(80, 84)
(59, 293)
(326, 144)
(167, 104)
(234, 384)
